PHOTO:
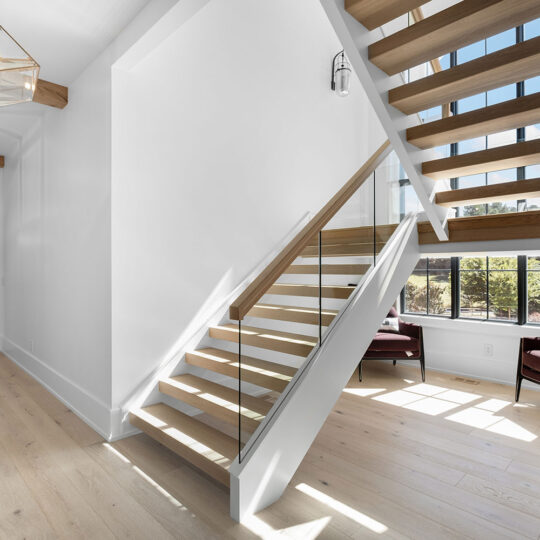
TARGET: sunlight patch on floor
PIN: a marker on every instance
(364, 392)
(431, 406)
(344, 509)
(142, 474)
(303, 531)
(434, 400)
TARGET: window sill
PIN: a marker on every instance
(470, 325)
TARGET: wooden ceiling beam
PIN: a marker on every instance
(51, 94)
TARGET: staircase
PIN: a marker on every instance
(209, 440)
(325, 278)
(381, 59)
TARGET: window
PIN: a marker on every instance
(480, 288)
(488, 288)
(428, 288)
(533, 290)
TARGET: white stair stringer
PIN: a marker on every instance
(355, 39)
(280, 443)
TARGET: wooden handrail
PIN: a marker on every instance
(418, 16)
(258, 287)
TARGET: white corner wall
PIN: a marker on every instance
(223, 137)
(56, 235)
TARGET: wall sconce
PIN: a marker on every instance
(341, 74)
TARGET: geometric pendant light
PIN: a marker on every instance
(19, 72)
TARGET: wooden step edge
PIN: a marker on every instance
(328, 269)
(511, 114)
(511, 226)
(213, 401)
(340, 292)
(502, 67)
(214, 459)
(509, 156)
(374, 14)
(284, 342)
(303, 315)
(508, 191)
(260, 372)
(449, 30)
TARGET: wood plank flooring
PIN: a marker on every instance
(451, 458)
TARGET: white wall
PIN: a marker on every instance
(57, 240)
(459, 346)
(223, 137)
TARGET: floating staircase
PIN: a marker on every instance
(280, 311)
(423, 41)
(209, 439)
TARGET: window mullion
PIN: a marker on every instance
(522, 289)
(487, 288)
(454, 287)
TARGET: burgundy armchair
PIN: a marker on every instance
(528, 362)
(407, 344)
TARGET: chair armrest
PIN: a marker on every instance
(531, 343)
(409, 329)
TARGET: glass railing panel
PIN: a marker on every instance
(321, 281)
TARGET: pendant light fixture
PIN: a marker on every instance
(18, 71)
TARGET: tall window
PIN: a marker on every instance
(482, 288)
(533, 290)
(488, 288)
(428, 288)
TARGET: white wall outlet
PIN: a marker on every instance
(488, 349)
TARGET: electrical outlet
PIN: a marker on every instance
(488, 349)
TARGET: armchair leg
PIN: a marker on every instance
(422, 356)
(518, 387)
(360, 371)
(519, 377)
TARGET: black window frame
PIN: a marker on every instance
(455, 284)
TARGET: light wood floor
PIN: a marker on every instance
(396, 459)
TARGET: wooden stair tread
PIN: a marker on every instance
(343, 250)
(507, 191)
(493, 159)
(511, 114)
(449, 30)
(328, 291)
(207, 448)
(304, 315)
(511, 226)
(260, 372)
(217, 400)
(285, 342)
(374, 13)
(506, 66)
(327, 269)
(354, 235)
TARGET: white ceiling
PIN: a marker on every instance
(63, 36)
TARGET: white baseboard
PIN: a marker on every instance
(89, 408)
